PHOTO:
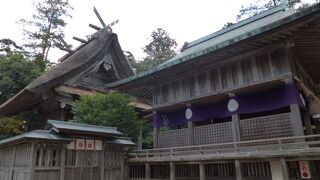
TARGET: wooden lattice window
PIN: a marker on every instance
(82, 158)
(212, 134)
(48, 155)
(256, 169)
(220, 170)
(160, 171)
(187, 170)
(137, 171)
(173, 138)
(265, 127)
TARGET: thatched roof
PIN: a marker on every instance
(73, 67)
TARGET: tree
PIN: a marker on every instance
(15, 73)
(108, 110)
(10, 126)
(261, 6)
(161, 48)
(9, 47)
(47, 29)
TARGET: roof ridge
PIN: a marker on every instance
(80, 124)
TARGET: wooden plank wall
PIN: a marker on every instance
(15, 162)
(113, 163)
(51, 161)
(231, 75)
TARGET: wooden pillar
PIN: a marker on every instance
(102, 159)
(122, 166)
(33, 155)
(279, 169)
(236, 128)
(148, 174)
(296, 121)
(284, 167)
(191, 133)
(172, 171)
(202, 171)
(140, 140)
(307, 123)
(238, 170)
(13, 157)
(155, 137)
(317, 125)
(63, 159)
(126, 171)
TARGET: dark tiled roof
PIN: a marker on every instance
(61, 126)
(240, 31)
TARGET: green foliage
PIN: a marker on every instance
(46, 29)
(228, 24)
(15, 73)
(108, 110)
(10, 126)
(161, 48)
(9, 47)
(261, 6)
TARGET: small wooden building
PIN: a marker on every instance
(65, 151)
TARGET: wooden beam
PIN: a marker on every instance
(140, 105)
(80, 40)
(99, 17)
(62, 164)
(284, 168)
(95, 27)
(155, 137)
(102, 158)
(32, 156)
(66, 49)
(202, 171)
(296, 121)
(238, 170)
(73, 90)
(148, 174)
(13, 157)
(172, 171)
(236, 127)
(191, 133)
(140, 140)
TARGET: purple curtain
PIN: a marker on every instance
(239, 104)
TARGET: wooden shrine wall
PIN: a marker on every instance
(231, 75)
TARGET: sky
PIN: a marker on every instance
(184, 20)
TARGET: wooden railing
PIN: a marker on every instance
(264, 127)
(275, 144)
